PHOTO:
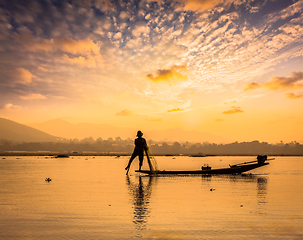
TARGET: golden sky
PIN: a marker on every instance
(231, 68)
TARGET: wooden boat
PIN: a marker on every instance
(233, 169)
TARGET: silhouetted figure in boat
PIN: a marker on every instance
(140, 147)
(261, 159)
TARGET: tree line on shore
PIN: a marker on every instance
(118, 146)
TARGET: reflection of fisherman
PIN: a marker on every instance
(140, 147)
(141, 198)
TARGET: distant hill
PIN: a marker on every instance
(181, 135)
(62, 128)
(13, 131)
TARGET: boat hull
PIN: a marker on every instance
(231, 170)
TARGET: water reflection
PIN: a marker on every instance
(262, 190)
(261, 185)
(140, 193)
(140, 190)
(247, 178)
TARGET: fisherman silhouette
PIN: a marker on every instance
(140, 147)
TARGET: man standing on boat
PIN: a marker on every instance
(140, 147)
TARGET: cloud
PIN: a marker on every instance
(103, 5)
(59, 97)
(117, 36)
(140, 28)
(64, 44)
(88, 61)
(233, 110)
(10, 106)
(42, 45)
(124, 113)
(171, 74)
(293, 96)
(84, 47)
(175, 110)
(76, 47)
(199, 5)
(252, 86)
(42, 69)
(218, 120)
(124, 15)
(234, 101)
(292, 82)
(23, 76)
(33, 96)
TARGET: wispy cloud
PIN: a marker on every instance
(293, 95)
(83, 51)
(124, 113)
(88, 61)
(65, 44)
(10, 106)
(199, 5)
(233, 101)
(218, 120)
(252, 86)
(33, 96)
(41, 68)
(169, 75)
(76, 47)
(175, 110)
(233, 110)
(23, 76)
(292, 82)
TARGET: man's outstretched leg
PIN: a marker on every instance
(131, 160)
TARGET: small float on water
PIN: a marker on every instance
(233, 169)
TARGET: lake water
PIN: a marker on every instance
(92, 198)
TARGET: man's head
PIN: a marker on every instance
(139, 134)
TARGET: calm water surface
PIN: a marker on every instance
(91, 198)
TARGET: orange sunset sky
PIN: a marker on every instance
(231, 68)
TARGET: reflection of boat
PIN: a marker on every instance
(233, 169)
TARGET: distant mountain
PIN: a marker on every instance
(62, 128)
(13, 131)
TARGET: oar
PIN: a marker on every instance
(252, 162)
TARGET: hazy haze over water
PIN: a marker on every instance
(91, 198)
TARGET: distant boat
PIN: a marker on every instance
(233, 169)
(62, 156)
(198, 155)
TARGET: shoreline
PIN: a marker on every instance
(117, 154)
